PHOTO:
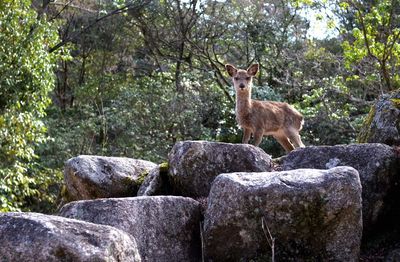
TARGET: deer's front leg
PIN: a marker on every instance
(258, 135)
(246, 135)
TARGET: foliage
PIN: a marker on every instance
(375, 43)
(145, 74)
(144, 120)
(332, 110)
(165, 44)
(26, 70)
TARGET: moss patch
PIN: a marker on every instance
(142, 176)
(396, 102)
(65, 195)
(64, 191)
(164, 167)
(365, 131)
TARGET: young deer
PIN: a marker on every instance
(261, 118)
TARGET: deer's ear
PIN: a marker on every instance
(231, 70)
(252, 70)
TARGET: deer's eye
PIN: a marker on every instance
(248, 78)
(236, 78)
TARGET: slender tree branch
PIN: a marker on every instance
(62, 9)
(65, 5)
(123, 9)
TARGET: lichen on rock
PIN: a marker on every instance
(91, 177)
(378, 166)
(314, 215)
(33, 237)
(193, 165)
(166, 228)
(382, 124)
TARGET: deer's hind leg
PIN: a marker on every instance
(295, 138)
(284, 142)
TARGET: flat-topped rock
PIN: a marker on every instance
(313, 215)
(36, 237)
(377, 164)
(91, 177)
(166, 228)
(193, 165)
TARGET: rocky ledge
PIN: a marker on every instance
(214, 202)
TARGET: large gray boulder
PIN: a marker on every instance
(166, 228)
(377, 164)
(382, 124)
(91, 177)
(36, 237)
(193, 165)
(313, 215)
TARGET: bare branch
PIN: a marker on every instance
(128, 7)
(62, 10)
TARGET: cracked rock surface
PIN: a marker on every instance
(378, 166)
(166, 228)
(91, 177)
(31, 237)
(312, 215)
(193, 165)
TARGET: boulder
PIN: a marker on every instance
(166, 228)
(377, 164)
(91, 177)
(312, 215)
(382, 124)
(156, 182)
(193, 165)
(37, 237)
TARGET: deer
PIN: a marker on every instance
(263, 118)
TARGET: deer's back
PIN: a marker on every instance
(271, 116)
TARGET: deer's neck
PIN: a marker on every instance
(243, 104)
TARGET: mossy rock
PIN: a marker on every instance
(366, 126)
(64, 195)
(382, 124)
(156, 182)
(396, 102)
(140, 179)
(164, 167)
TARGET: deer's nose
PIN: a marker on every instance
(241, 85)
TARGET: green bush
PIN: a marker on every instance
(26, 69)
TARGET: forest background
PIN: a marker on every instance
(130, 78)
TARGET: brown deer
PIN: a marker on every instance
(259, 118)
